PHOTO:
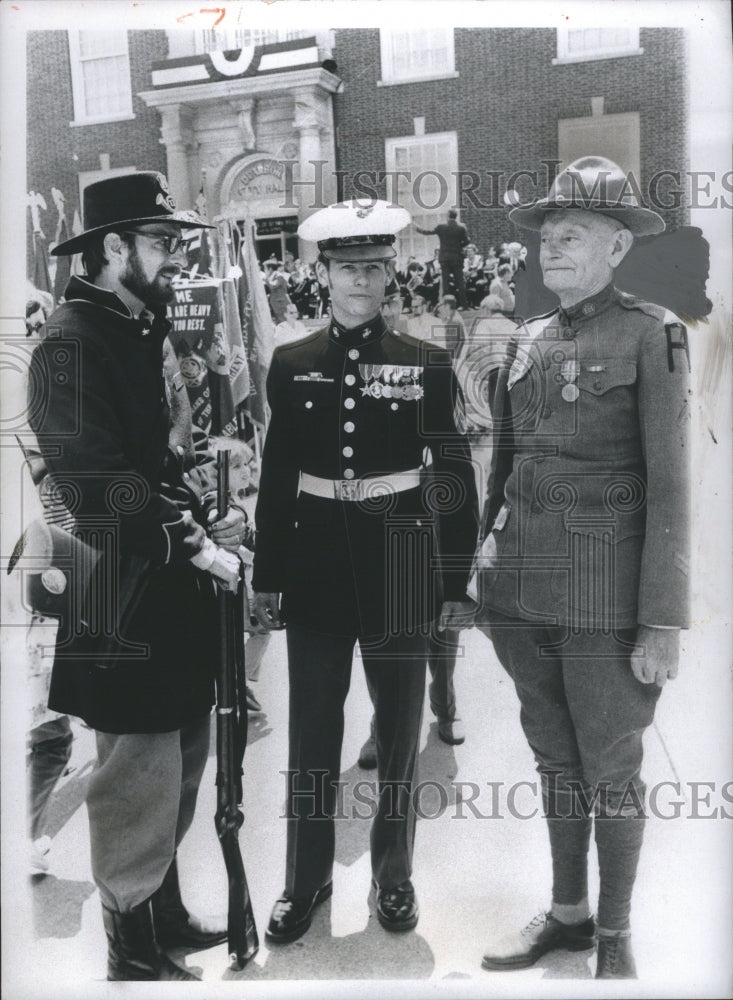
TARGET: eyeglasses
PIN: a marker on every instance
(171, 244)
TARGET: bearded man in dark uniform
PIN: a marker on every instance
(584, 568)
(136, 654)
(359, 550)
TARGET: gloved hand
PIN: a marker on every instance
(223, 565)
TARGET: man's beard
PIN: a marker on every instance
(152, 293)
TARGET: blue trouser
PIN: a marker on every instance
(320, 673)
(584, 715)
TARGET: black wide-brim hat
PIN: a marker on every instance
(593, 184)
(126, 200)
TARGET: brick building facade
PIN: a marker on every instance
(457, 109)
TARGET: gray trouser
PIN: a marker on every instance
(141, 802)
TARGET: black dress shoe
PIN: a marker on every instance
(542, 934)
(615, 960)
(397, 908)
(291, 916)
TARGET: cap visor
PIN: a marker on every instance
(360, 253)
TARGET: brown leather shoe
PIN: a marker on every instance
(544, 933)
(615, 960)
(397, 908)
(291, 916)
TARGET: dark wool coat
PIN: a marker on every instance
(137, 651)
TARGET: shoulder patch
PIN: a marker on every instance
(676, 341)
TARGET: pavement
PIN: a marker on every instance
(481, 862)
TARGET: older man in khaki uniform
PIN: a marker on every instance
(584, 578)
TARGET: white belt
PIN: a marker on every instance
(359, 489)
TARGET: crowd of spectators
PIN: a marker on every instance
(486, 274)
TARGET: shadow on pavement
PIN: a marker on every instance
(318, 955)
(436, 769)
(57, 905)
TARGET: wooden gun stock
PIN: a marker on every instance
(231, 741)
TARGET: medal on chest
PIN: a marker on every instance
(570, 371)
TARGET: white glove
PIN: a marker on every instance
(224, 566)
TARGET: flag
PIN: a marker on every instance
(63, 264)
(41, 277)
(258, 330)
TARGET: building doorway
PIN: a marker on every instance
(276, 237)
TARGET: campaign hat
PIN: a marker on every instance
(356, 230)
(124, 200)
(594, 184)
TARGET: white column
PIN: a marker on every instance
(177, 137)
(311, 185)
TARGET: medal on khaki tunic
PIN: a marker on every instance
(570, 371)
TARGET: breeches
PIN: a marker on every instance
(582, 710)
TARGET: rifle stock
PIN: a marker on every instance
(231, 741)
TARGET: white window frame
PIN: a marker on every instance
(430, 217)
(77, 85)
(229, 38)
(631, 48)
(386, 43)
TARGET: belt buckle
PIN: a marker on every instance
(346, 489)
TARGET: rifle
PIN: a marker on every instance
(231, 741)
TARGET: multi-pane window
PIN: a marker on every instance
(416, 53)
(426, 186)
(242, 38)
(577, 44)
(100, 75)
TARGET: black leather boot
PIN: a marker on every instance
(174, 925)
(132, 951)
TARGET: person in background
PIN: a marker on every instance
(277, 285)
(501, 287)
(431, 280)
(473, 269)
(421, 323)
(392, 308)
(453, 237)
(291, 328)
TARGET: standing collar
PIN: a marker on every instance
(80, 287)
(587, 308)
(365, 333)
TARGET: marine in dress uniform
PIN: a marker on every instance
(359, 550)
(584, 566)
(134, 659)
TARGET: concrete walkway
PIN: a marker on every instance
(479, 867)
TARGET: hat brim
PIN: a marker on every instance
(360, 253)
(639, 221)
(184, 220)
